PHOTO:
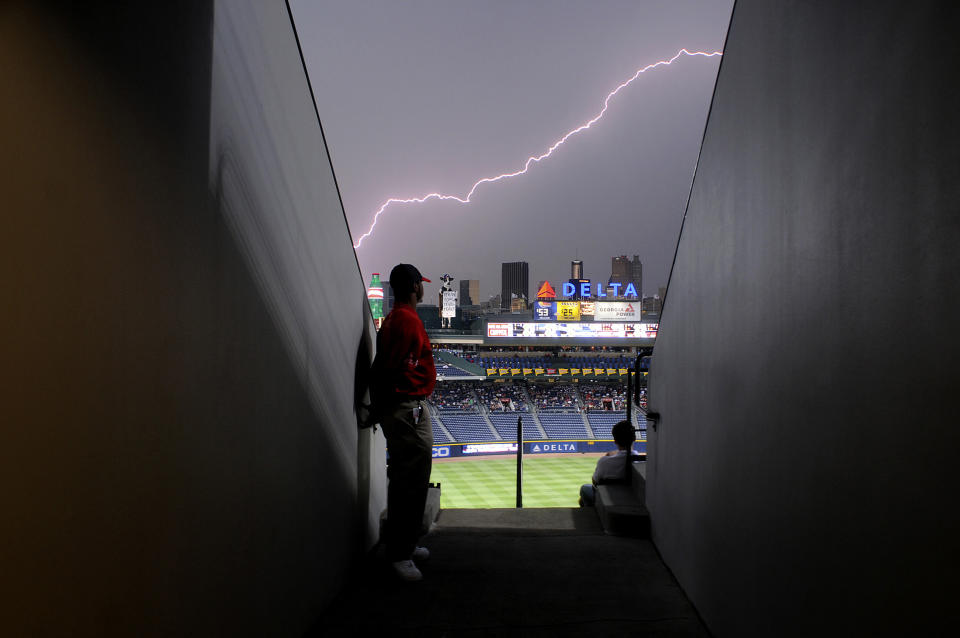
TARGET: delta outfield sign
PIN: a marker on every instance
(586, 289)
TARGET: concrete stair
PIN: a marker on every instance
(622, 508)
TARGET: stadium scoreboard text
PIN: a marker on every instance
(586, 311)
(571, 330)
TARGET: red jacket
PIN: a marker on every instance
(403, 366)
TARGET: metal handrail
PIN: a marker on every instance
(519, 461)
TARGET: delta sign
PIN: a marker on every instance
(584, 288)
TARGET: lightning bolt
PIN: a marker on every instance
(533, 159)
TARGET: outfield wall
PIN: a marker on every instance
(454, 450)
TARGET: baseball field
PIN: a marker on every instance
(548, 481)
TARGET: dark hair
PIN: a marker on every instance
(624, 434)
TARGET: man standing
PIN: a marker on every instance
(403, 377)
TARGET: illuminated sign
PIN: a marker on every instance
(488, 448)
(541, 448)
(617, 310)
(578, 288)
(546, 291)
(441, 452)
(568, 311)
(498, 330)
(545, 310)
(571, 330)
(586, 289)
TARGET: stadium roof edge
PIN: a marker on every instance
(459, 339)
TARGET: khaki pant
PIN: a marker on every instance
(410, 450)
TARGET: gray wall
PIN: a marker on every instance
(182, 315)
(802, 479)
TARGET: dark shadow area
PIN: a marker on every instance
(168, 468)
(524, 581)
(803, 472)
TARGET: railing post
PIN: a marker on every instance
(519, 461)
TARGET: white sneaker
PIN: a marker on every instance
(407, 571)
(420, 553)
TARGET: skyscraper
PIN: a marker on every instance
(387, 298)
(626, 271)
(515, 280)
(469, 292)
(636, 275)
(576, 269)
(620, 270)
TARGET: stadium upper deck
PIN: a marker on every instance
(527, 362)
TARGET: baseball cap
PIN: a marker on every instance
(404, 276)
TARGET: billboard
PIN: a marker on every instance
(568, 311)
(545, 310)
(563, 330)
(451, 450)
(488, 448)
(616, 311)
(546, 291)
(449, 310)
(498, 329)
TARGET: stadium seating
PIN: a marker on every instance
(502, 397)
(446, 370)
(439, 436)
(554, 397)
(601, 422)
(461, 407)
(506, 425)
(597, 396)
(454, 396)
(466, 427)
(563, 425)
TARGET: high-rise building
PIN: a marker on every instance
(515, 280)
(387, 298)
(469, 292)
(651, 307)
(627, 271)
(576, 269)
(620, 270)
(636, 275)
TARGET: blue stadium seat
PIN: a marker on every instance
(439, 436)
(466, 427)
(506, 425)
(562, 425)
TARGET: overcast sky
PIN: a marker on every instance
(430, 96)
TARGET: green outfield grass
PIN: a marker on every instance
(488, 483)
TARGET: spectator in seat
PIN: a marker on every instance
(612, 466)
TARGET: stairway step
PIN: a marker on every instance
(621, 512)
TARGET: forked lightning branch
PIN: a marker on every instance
(533, 159)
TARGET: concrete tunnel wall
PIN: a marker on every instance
(182, 316)
(802, 480)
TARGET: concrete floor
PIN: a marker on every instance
(533, 572)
